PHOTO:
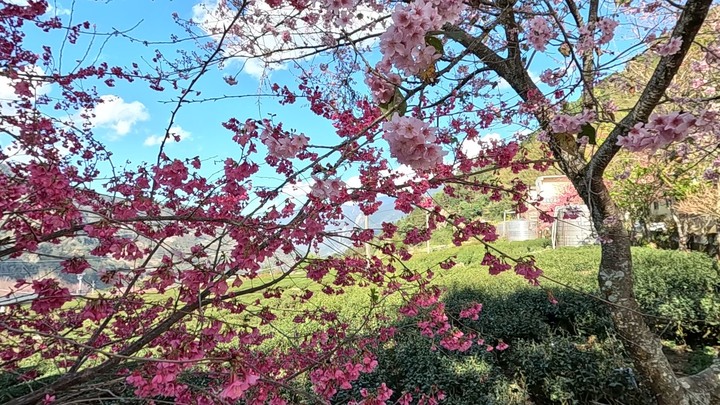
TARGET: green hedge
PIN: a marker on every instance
(681, 286)
(565, 353)
(680, 291)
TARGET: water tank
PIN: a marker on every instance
(519, 230)
(573, 231)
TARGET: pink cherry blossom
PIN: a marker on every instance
(607, 29)
(382, 88)
(412, 142)
(539, 32)
(551, 77)
(280, 144)
(570, 124)
(328, 188)
(403, 44)
(586, 42)
(661, 130)
(670, 48)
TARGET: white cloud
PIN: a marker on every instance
(353, 182)
(403, 174)
(14, 150)
(16, 153)
(154, 140)
(269, 36)
(7, 86)
(7, 90)
(50, 9)
(60, 10)
(119, 116)
(471, 147)
(297, 190)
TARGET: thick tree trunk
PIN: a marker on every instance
(616, 285)
(615, 276)
(643, 346)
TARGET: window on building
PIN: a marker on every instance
(656, 205)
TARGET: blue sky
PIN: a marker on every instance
(135, 117)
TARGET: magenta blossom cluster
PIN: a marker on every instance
(281, 144)
(237, 387)
(412, 142)
(472, 312)
(660, 131)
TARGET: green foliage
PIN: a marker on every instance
(682, 287)
(436, 43)
(413, 363)
(589, 131)
(679, 291)
(564, 353)
(549, 360)
(701, 359)
(562, 370)
(397, 103)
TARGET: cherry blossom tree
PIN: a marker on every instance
(401, 83)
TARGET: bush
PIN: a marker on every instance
(679, 291)
(527, 313)
(413, 364)
(563, 353)
(562, 370)
(681, 286)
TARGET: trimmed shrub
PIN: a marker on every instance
(564, 353)
(679, 291)
(681, 286)
(562, 370)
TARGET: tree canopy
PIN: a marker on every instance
(397, 99)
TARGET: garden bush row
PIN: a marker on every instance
(564, 353)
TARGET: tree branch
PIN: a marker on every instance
(686, 28)
(563, 146)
